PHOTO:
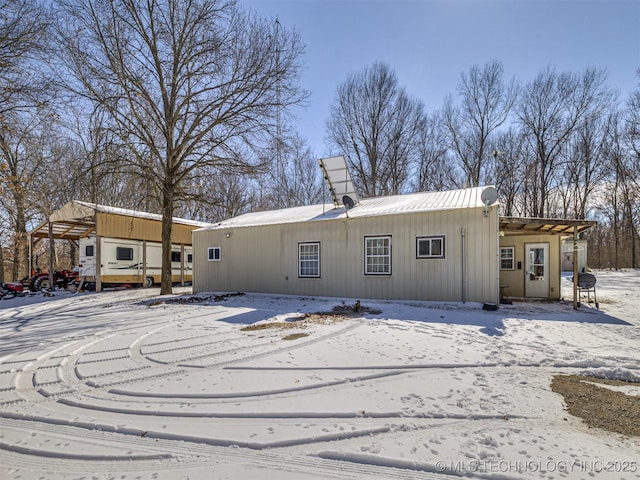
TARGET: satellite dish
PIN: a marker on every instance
(489, 195)
(347, 201)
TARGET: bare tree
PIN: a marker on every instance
(434, 172)
(486, 101)
(25, 159)
(23, 29)
(95, 161)
(551, 108)
(632, 191)
(375, 124)
(216, 195)
(187, 84)
(587, 164)
(297, 180)
(633, 118)
(24, 99)
(508, 170)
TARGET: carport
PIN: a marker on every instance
(76, 220)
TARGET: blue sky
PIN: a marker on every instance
(430, 42)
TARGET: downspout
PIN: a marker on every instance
(464, 279)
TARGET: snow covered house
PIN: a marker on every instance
(423, 246)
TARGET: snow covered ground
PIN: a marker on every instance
(124, 385)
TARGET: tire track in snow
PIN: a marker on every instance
(193, 454)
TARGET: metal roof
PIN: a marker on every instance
(368, 207)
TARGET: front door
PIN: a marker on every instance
(536, 284)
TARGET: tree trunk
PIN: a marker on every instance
(1, 264)
(20, 265)
(167, 225)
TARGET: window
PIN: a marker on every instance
(88, 250)
(430, 247)
(175, 256)
(124, 253)
(377, 255)
(309, 260)
(189, 257)
(506, 258)
(214, 254)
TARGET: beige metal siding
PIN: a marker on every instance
(265, 258)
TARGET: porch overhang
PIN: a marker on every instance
(543, 226)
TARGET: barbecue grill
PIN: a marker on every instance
(587, 284)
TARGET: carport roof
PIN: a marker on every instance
(543, 226)
(76, 220)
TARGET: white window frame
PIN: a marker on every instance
(211, 255)
(378, 255)
(431, 239)
(513, 257)
(305, 257)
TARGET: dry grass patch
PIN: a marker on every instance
(600, 407)
(295, 336)
(270, 325)
(338, 314)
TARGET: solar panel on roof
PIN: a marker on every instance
(336, 175)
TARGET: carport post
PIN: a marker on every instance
(51, 250)
(98, 263)
(575, 267)
(182, 264)
(144, 263)
(30, 274)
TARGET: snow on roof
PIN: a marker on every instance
(368, 207)
(138, 214)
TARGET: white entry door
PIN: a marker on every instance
(536, 284)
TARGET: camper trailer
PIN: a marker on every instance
(132, 262)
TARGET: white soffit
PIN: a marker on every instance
(336, 175)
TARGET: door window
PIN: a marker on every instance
(536, 264)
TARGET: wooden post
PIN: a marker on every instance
(182, 262)
(51, 251)
(144, 263)
(98, 265)
(30, 274)
(575, 268)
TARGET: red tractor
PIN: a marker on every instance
(39, 280)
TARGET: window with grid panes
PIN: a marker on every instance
(309, 260)
(506, 258)
(377, 255)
